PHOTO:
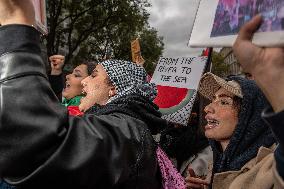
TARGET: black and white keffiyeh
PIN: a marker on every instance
(129, 78)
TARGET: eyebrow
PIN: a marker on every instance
(77, 71)
(222, 95)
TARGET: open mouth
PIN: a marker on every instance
(82, 99)
(212, 123)
(84, 91)
(67, 85)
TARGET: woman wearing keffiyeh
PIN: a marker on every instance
(113, 79)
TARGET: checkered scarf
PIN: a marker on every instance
(129, 78)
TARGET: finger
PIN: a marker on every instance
(196, 180)
(247, 30)
(192, 185)
(191, 172)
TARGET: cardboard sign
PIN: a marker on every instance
(177, 80)
(136, 52)
(182, 72)
(40, 15)
(175, 104)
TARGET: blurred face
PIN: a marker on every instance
(221, 116)
(73, 85)
(97, 88)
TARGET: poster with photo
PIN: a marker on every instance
(40, 15)
(217, 22)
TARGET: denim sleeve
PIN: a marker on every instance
(4, 185)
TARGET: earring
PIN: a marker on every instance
(110, 94)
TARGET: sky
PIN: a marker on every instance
(173, 19)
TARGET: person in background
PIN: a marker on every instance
(187, 145)
(42, 146)
(56, 75)
(242, 142)
(72, 92)
(266, 65)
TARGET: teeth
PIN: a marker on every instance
(67, 84)
(212, 123)
(84, 92)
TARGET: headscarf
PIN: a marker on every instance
(129, 78)
(250, 134)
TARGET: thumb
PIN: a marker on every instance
(247, 30)
(191, 172)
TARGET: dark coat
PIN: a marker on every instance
(41, 146)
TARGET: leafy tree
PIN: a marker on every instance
(92, 29)
(151, 47)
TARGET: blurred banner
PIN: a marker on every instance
(40, 15)
(136, 52)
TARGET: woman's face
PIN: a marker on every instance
(97, 88)
(221, 116)
(73, 85)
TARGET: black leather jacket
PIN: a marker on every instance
(41, 146)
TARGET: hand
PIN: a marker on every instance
(17, 12)
(265, 64)
(57, 63)
(85, 104)
(192, 181)
(140, 60)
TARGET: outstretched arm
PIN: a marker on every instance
(40, 144)
(17, 12)
(267, 67)
(265, 64)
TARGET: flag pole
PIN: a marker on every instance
(208, 65)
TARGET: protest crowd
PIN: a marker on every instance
(98, 127)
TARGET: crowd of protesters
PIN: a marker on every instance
(94, 129)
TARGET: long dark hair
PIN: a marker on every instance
(91, 65)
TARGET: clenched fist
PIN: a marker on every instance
(17, 12)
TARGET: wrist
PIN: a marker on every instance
(56, 72)
(275, 96)
(19, 18)
(271, 86)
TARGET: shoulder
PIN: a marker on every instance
(122, 124)
(257, 172)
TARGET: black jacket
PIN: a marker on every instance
(57, 84)
(41, 146)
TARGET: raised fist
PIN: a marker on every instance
(17, 12)
(56, 63)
